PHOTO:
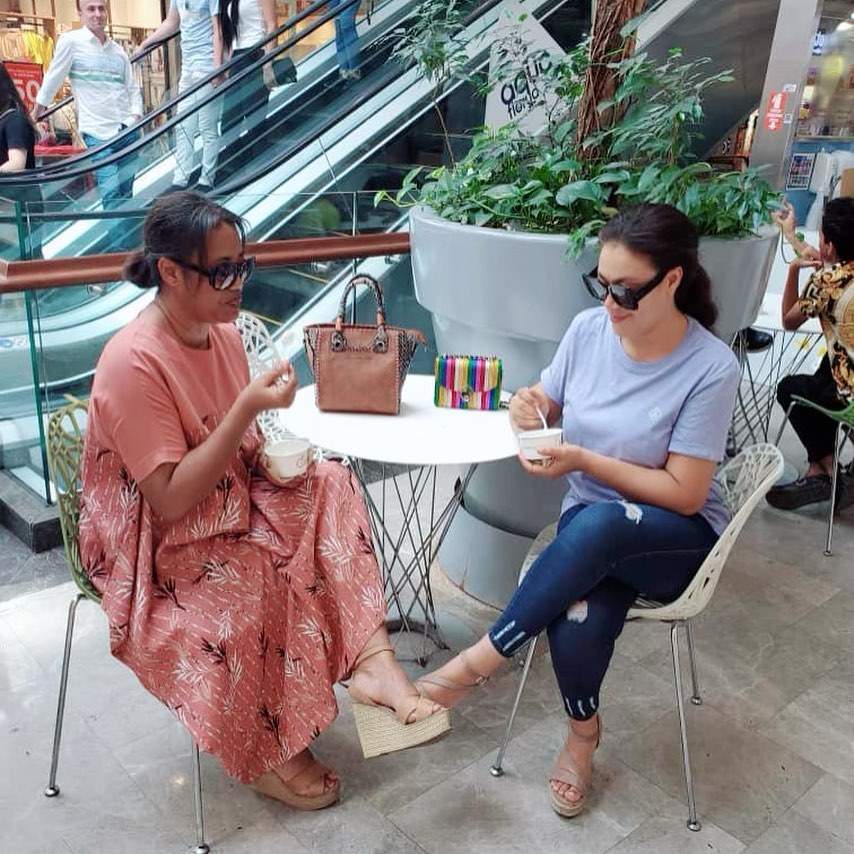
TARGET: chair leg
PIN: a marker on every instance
(689, 634)
(693, 823)
(833, 483)
(792, 405)
(201, 846)
(496, 768)
(52, 789)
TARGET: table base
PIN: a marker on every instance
(407, 544)
(757, 392)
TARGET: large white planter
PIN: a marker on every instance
(513, 294)
(739, 271)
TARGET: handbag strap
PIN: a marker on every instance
(339, 342)
(373, 284)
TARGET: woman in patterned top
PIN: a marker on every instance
(829, 296)
(239, 601)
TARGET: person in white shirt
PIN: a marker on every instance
(201, 55)
(245, 23)
(107, 97)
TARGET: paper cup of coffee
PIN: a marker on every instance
(288, 458)
(530, 441)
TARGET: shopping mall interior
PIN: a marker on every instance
(270, 581)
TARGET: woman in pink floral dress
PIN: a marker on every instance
(237, 601)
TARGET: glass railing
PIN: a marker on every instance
(51, 338)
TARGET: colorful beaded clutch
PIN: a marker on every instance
(468, 382)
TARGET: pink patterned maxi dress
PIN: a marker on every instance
(243, 614)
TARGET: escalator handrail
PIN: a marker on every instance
(70, 169)
(147, 52)
(43, 274)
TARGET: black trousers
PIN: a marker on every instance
(247, 96)
(817, 432)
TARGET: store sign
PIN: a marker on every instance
(518, 97)
(27, 77)
(775, 114)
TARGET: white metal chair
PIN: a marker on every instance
(65, 448)
(745, 480)
(263, 355)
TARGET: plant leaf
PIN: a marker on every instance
(576, 190)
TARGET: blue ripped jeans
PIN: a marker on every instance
(581, 587)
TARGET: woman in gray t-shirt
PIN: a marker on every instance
(644, 392)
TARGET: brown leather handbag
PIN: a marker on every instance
(360, 368)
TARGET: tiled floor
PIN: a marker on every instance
(21, 571)
(772, 745)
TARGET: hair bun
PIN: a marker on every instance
(141, 270)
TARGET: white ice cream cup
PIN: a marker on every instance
(531, 440)
(288, 458)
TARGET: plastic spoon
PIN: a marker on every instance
(542, 418)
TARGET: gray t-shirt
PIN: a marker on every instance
(197, 33)
(640, 412)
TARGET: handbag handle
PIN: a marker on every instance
(339, 342)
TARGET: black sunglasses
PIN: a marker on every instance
(226, 274)
(623, 295)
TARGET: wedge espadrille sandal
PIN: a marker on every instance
(564, 771)
(274, 785)
(381, 730)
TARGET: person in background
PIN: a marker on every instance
(17, 134)
(201, 55)
(644, 393)
(347, 40)
(245, 23)
(17, 152)
(106, 95)
(829, 296)
(788, 225)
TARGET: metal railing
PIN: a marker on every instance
(19, 276)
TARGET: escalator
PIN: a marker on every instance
(320, 140)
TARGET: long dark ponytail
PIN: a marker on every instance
(229, 17)
(668, 238)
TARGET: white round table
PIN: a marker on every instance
(407, 525)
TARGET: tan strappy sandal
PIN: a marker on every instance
(274, 785)
(565, 772)
(423, 684)
(381, 730)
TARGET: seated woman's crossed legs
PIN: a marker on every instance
(579, 590)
